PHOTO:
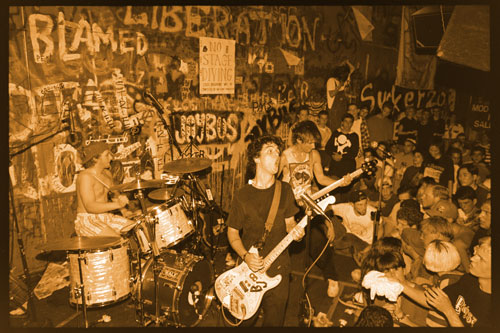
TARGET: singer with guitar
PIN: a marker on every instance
(247, 222)
(301, 164)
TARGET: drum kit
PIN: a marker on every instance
(165, 257)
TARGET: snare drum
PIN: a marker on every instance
(185, 288)
(171, 223)
(106, 275)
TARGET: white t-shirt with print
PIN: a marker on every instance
(359, 225)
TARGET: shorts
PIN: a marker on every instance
(89, 225)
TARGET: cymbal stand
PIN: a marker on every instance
(82, 288)
(156, 273)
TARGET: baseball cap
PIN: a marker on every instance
(445, 209)
(358, 196)
(411, 140)
(92, 150)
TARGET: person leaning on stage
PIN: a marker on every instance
(249, 210)
(94, 217)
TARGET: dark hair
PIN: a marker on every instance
(404, 189)
(322, 113)
(347, 115)
(379, 248)
(413, 216)
(388, 105)
(427, 181)
(254, 149)
(374, 316)
(341, 72)
(478, 148)
(389, 260)
(303, 129)
(473, 169)
(465, 192)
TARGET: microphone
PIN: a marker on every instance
(317, 209)
(386, 153)
(154, 101)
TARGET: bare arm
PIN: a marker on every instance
(86, 192)
(439, 300)
(254, 261)
(318, 170)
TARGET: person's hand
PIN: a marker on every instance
(336, 157)
(438, 299)
(122, 200)
(347, 180)
(254, 261)
(298, 233)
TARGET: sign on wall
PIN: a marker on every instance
(217, 65)
(479, 114)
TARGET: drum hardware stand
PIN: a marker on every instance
(81, 289)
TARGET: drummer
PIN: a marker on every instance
(92, 187)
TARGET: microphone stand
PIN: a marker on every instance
(376, 219)
(31, 305)
(160, 110)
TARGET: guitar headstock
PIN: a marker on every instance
(369, 166)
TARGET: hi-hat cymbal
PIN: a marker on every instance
(138, 184)
(80, 243)
(164, 194)
(187, 165)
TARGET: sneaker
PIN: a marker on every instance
(333, 288)
(353, 300)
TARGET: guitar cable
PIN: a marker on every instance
(228, 321)
(307, 272)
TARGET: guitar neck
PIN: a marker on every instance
(334, 185)
(278, 249)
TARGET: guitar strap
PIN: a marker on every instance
(271, 216)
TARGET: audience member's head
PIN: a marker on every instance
(374, 316)
(455, 155)
(303, 113)
(445, 209)
(485, 215)
(477, 154)
(467, 175)
(436, 149)
(432, 194)
(409, 145)
(359, 201)
(466, 198)
(435, 228)
(409, 216)
(441, 256)
(322, 118)
(480, 262)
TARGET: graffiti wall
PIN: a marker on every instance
(80, 74)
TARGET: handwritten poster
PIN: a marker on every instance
(217, 65)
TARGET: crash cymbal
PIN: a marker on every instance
(187, 165)
(80, 243)
(138, 184)
(164, 194)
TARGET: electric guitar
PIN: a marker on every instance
(240, 290)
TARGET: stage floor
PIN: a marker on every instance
(56, 311)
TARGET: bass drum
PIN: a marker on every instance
(185, 288)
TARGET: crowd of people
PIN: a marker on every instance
(431, 192)
(421, 221)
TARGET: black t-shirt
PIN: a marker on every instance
(249, 211)
(438, 126)
(348, 146)
(441, 170)
(407, 126)
(472, 305)
(424, 136)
